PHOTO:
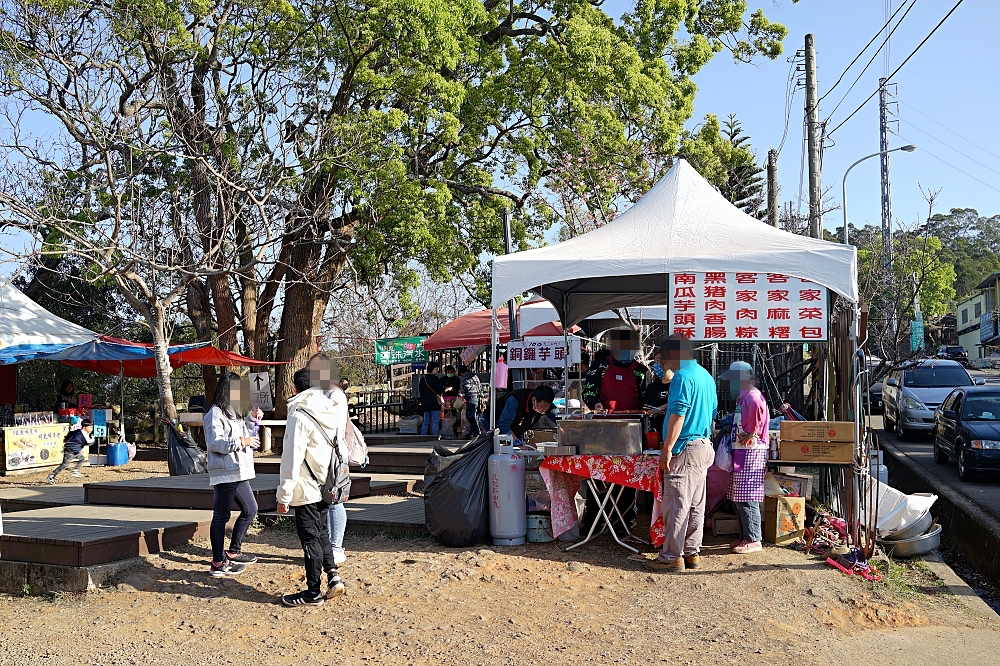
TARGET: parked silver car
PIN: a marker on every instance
(912, 393)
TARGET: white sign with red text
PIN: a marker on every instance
(747, 307)
(542, 352)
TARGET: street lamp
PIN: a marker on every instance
(843, 193)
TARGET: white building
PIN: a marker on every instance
(967, 316)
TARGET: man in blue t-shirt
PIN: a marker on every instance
(686, 456)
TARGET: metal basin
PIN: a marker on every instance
(920, 545)
(919, 527)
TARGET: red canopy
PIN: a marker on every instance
(474, 329)
(203, 355)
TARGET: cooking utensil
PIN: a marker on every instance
(919, 526)
(920, 545)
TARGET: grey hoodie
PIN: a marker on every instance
(227, 460)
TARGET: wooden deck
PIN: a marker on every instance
(39, 497)
(174, 492)
(403, 513)
(81, 535)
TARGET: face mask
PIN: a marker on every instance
(625, 356)
(658, 370)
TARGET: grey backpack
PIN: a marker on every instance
(337, 487)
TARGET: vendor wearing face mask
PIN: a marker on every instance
(618, 385)
(523, 408)
(657, 393)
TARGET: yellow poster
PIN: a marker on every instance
(33, 446)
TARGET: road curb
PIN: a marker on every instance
(959, 587)
(966, 525)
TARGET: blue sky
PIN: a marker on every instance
(948, 90)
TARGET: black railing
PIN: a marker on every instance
(378, 411)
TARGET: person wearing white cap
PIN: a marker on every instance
(749, 438)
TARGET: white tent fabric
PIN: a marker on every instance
(682, 224)
(24, 322)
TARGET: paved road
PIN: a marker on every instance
(985, 493)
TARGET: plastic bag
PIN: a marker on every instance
(456, 493)
(183, 455)
(724, 456)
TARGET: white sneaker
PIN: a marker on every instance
(339, 557)
(76, 474)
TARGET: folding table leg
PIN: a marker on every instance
(597, 519)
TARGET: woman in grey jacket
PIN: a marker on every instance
(230, 468)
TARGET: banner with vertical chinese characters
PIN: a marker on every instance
(747, 307)
(542, 352)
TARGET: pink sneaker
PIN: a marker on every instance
(736, 543)
(748, 547)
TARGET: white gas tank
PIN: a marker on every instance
(508, 524)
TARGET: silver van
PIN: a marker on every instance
(912, 393)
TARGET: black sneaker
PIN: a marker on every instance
(303, 598)
(242, 558)
(334, 585)
(228, 568)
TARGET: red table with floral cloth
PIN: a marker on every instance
(562, 475)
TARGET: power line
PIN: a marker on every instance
(947, 145)
(862, 52)
(970, 141)
(896, 71)
(944, 161)
(871, 60)
(790, 87)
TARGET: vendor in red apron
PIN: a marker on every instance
(616, 383)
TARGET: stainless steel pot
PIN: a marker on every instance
(920, 526)
(602, 436)
(920, 545)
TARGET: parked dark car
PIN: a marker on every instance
(967, 429)
(954, 353)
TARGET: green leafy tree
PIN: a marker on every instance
(722, 154)
(297, 149)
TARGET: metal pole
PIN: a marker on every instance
(772, 187)
(883, 146)
(494, 341)
(843, 185)
(508, 241)
(814, 142)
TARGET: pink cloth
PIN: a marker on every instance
(754, 414)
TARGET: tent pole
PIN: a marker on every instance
(494, 341)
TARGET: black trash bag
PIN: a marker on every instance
(183, 454)
(456, 493)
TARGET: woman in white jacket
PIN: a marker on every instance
(230, 468)
(321, 367)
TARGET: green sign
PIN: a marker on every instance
(916, 335)
(396, 351)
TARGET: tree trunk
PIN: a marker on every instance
(199, 311)
(158, 326)
(301, 317)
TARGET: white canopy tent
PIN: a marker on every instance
(681, 224)
(24, 323)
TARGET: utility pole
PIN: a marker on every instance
(772, 187)
(883, 145)
(814, 142)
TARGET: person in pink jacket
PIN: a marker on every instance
(750, 445)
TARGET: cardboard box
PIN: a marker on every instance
(797, 484)
(801, 452)
(725, 524)
(818, 431)
(784, 519)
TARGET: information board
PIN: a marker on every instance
(33, 446)
(396, 351)
(260, 391)
(747, 307)
(543, 352)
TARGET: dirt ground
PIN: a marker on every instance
(136, 469)
(412, 601)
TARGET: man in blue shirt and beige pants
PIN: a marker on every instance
(686, 456)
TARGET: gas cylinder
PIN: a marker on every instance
(508, 524)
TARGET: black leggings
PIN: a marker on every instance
(311, 525)
(225, 493)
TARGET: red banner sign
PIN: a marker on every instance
(747, 307)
